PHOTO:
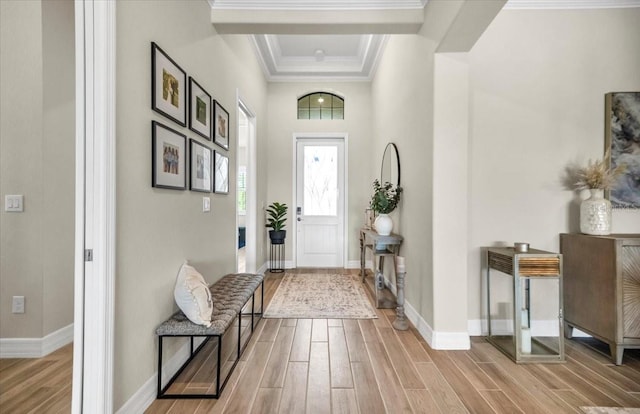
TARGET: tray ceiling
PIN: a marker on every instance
(291, 54)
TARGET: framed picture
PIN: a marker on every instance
(168, 86)
(622, 118)
(168, 157)
(221, 125)
(221, 174)
(200, 167)
(199, 110)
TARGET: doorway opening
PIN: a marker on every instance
(246, 190)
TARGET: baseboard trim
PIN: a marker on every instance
(36, 347)
(263, 269)
(146, 395)
(436, 339)
(288, 264)
(353, 264)
(478, 327)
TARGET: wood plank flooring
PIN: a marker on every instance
(366, 366)
(363, 366)
(37, 385)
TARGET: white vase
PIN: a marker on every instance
(595, 214)
(383, 224)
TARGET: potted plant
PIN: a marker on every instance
(277, 217)
(384, 200)
(597, 177)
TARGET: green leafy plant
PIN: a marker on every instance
(385, 197)
(277, 216)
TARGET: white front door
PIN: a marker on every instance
(319, 208)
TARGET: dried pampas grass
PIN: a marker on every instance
(595, 175)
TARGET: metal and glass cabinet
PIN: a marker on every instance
(524, 297)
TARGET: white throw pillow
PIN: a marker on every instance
(193, 296)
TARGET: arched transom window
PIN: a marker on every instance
(320, 105)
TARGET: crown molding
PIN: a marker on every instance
(316, 5)
(279, 68)
(569, 4)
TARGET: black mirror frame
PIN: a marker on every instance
(384, 155)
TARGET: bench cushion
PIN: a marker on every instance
(229, 295)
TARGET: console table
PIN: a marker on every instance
(381, 247)
(601, 288)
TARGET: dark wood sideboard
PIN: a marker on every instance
(602, 288)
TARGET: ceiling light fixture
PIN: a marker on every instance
(320, 99)
(319, 53)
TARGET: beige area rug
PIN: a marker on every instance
(317, 296)
(609, 410)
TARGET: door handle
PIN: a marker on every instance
(299, 219)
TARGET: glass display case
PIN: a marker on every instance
(524, 297)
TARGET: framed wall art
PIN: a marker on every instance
(168, 157)
(200, 167)
(622, 139)
(199, 110)
(168, 86)
(221, 173)
(221, 125)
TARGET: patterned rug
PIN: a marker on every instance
(320, 296)
(609, 410)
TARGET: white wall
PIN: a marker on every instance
(58, 165)
(538, 80)
(157, 228)
(284, 122)
(37, 160)
(402, 97)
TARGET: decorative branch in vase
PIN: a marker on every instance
(384, 200)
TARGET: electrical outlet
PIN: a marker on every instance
(18, 304)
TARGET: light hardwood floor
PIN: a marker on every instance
(365, 366)
(40, 385)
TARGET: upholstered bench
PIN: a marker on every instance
(234, 302)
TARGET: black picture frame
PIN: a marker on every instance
(220, 125)
(200, 167)
(168, 157)
(200, 110)
(168, 86)
(220, 173)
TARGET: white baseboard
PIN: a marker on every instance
(36, 347)
(353, 264)
(478, 327)
(436, 339)
(288, 264)
(146, 395)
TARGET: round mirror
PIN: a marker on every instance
(390, 170)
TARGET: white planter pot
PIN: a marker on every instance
(595, 214)
(383, 224)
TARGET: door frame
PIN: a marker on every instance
(252, 202)
(320, 135)
(95, 212)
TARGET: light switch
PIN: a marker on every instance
(206, 204)
(13, 203)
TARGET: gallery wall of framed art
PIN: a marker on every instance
(189, 105)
